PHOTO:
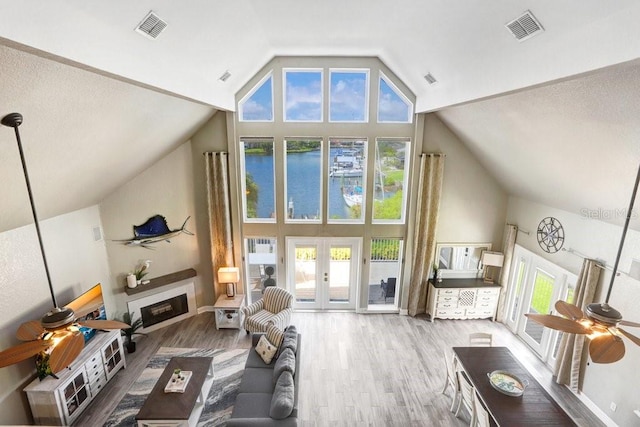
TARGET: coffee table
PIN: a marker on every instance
(178, 409)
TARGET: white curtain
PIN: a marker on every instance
(508, 246)
(428, 206)
(219, 208)
(569, 369)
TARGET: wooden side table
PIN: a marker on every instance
(228, 311)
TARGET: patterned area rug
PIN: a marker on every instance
(228, 366)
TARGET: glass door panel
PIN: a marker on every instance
(540, 303)
(384, 273)
(325, 272)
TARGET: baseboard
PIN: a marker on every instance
(404, 312)
(596, 410)
(205, 309)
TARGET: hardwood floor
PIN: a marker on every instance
(357, 369)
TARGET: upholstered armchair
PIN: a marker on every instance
(274, 308)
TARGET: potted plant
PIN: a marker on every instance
(134, 324)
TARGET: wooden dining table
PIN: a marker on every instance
(534, 408)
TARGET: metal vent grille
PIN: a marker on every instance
(151, 26)
(525, 27)
(430, 79)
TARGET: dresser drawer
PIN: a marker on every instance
(448, 292)
(488, 291)
(446, 305)
(491, 299)
(447, 298)
(479, 313)
(97, 385)
(450, 313)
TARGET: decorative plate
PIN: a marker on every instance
(550, 235)
(507, 383)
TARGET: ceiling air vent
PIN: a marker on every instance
(151, 26)
(525, 27)
(430, 79)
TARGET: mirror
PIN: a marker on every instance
(460, 259)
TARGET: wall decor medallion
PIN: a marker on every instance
(550, 235)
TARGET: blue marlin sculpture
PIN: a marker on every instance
(154, 230)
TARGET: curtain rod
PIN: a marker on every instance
(600, 263)
(520, 230)
(433, 154)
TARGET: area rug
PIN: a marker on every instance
(228, 366)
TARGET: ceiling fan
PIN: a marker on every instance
(57, 333)
(600, 322)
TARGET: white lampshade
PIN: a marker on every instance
(494, 259)
(228, 275)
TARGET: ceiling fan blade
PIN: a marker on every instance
(104, 324)
(29, 331)
(21, 352)
(569, 310)
(558, 323)
(66, 351)
(632, 337)
(627, 323)
(606, 348)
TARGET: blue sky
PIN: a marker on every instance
(348, 96)
(259, 106)
(391, 107)
(303, 96)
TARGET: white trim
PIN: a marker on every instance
(251, 93)
(410, 106)
(366, 72)
(284, 93)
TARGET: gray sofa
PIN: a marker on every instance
(261, 395)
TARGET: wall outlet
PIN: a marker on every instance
(613, 406)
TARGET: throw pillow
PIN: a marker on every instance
(283, 397)
(274, 335)
(265, 349)
(285, 362)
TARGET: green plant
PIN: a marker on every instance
(134, 324)
(141, 269)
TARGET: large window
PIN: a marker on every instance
(324, 156)
(304, 177)
(258, 184)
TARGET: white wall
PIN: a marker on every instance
(76, 263)
(585, 233)
(473, 204)
(166, 188)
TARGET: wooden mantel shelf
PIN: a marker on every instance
(158, 282)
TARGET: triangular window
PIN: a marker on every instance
(257, 106)
(393, 106)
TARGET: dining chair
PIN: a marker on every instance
(451, 364)
(467, 391)
(480, 339)
(482, 415)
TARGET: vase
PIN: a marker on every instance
(131, 281)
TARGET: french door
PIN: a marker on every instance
(324, 271)
(535, 285)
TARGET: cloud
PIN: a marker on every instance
(348, 98)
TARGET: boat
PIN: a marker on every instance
(345, 172)
(352, 195)
(347, 166)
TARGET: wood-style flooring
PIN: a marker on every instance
(357, 369)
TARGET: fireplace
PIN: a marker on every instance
(164, 308)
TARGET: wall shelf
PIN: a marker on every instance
(158, 282)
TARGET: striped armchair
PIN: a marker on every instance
(274, 308)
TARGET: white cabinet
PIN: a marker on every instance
(60, 401)
(462, 299)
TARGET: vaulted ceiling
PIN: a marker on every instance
(554, 117)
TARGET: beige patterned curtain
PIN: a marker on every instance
(429, 192)
(569, 369)
(508, 246)
(219, 208)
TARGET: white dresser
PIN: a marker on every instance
(60, 401)
(462, 299)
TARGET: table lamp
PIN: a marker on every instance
(491, 259)
(230, 276)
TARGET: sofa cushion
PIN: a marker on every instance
(285, 362)
(283, 397)
(290, 339)
(252, 405)
(256, 380)
(265, 349)
(255, 361)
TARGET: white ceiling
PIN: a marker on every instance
(96, 95)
